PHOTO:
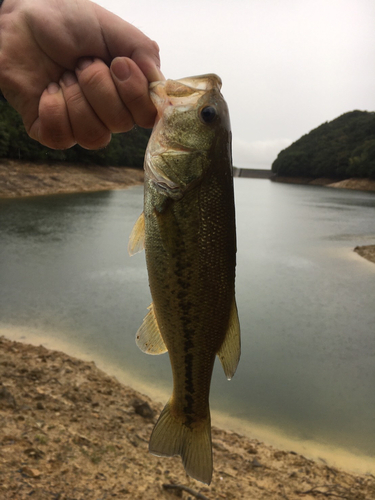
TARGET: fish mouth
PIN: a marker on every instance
(202, 82)
(185, 91)
(185, 86)
(173, 150)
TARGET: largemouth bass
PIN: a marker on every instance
(188, 231)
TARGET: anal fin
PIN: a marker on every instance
(230, 350)
(148, 337)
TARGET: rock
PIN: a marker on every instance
(256, 463)
(28, 471)
(219, 446)
(143, 409)
(34, 453)
(7, 398)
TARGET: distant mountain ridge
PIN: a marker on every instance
(341, 148)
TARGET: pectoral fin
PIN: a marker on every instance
(230, 351)
(137, 236)
(148, 337)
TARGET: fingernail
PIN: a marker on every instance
(84, 63)
(69, 78)
(53, 88)
(120, 68)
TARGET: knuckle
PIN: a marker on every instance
(57, 142)
(74, 99)
(95, 77)
(54, 126)
(56, 135)
(142, 111)
(135, 99)
(155, 48)
(121, 123)
(53, 136)
(97, 139)
(6, 68)
(146, 122)
(150, 46)
(53, 109)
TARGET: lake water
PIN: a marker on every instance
(305, 299)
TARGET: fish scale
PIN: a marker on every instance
(188, 232)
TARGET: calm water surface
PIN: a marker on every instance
(306, 301)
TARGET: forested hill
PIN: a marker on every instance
(124, 149)
(342, 148)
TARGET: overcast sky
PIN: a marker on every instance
(287, 65)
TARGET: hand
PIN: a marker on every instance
(74, 71)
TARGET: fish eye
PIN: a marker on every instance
(208, 114)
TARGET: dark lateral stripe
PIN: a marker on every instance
(189, 391)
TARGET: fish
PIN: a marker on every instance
(188, 231)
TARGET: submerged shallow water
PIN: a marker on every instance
(306, 301)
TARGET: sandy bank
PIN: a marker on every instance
(367, 252)
(353, 183)
(70, 431)
(33, 179)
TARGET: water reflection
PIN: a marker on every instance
(305, 299)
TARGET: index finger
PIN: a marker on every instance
(146, 63)
(129, 42)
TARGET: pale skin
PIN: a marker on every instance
(74, 71)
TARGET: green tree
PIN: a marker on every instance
(125, 149)
(341, 148)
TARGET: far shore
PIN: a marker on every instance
(21, 178)
(361, 184)
(358, 184)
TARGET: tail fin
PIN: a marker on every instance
(171, 437)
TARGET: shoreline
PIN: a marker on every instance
(360, 184)
(21, 179)
(272, 436)
(70, 429)
(365, 251)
